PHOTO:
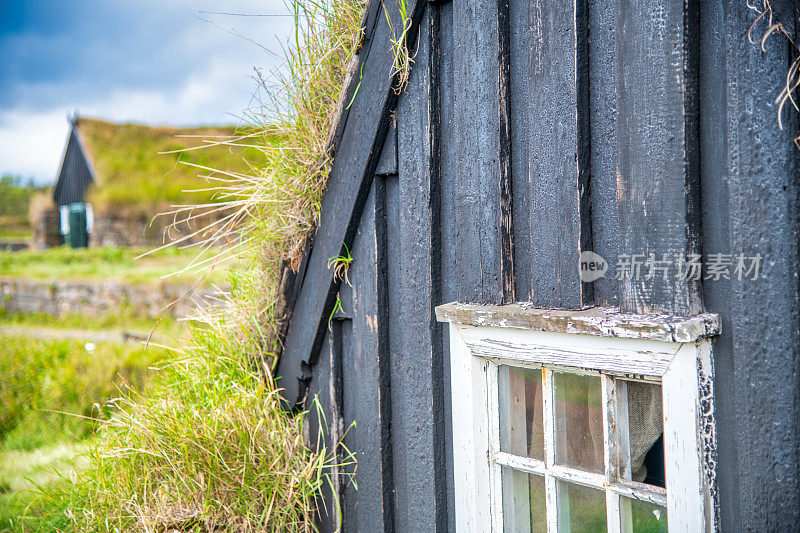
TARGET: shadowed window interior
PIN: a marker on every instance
(555, 416)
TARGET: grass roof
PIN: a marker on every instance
(145, 169)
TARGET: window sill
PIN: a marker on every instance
(599, 321)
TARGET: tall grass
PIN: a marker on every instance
(273, 209)
(209, 446)
(44, 384)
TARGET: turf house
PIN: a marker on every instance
(554, 284)
(116, 178)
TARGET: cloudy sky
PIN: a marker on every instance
(153, 61)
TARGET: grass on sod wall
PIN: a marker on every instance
(208, 446)
(110, 263)
(139, 168)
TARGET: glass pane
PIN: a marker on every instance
(521, 427)
(642, 517)
(645, 427)
(581, 509)
(579, 421)
(524, 507)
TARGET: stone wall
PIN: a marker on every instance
(58, 298)
(46, 228)
(146, 232)
(134, 230)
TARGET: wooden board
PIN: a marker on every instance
(365, 387)
(549, 132)
(597, 321)
(750, 205)
(471, 171)
(347, 189)
(658, 175)
(416, 368)
(602, 162)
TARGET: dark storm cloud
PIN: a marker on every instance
(155, 61)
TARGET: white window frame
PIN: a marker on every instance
(671, 350)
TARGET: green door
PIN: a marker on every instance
(78, 236)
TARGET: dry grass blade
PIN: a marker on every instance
(208, 446)
(765, 13)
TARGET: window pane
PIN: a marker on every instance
(524, 507)
(642, 517)
(521, 427)
(581, 509)
(579, 421)
(645, 427)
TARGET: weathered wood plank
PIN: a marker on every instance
(618, 356)
(347, 190)
(658, 175)
(600, 321)
(471, 177)
(442, 267)
(387, 164)
(381, 331)
(507, 281)
(370, 507)
(318, 427)
(602, 161)
(750, 198)
(549, 132)
(417, 388)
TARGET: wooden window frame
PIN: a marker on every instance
(671, 350)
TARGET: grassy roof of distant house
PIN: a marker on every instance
(134, 175)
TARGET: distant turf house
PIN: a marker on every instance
(562, 170)
(116, 178)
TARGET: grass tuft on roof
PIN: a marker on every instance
(144, 170)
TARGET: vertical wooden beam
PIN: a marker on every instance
(473, 175)
(364, 380)
(506, 197)
(602, 163)
(418, 389)
(439, 374)
(384, 356)
(550, 151)
(658, 180)
(337, 420)
(751, 205)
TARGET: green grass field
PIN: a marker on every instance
(124, 320)
(66, 263)
(49, 391)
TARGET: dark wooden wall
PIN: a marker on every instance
(74, 176)
(529, 132)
